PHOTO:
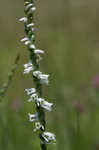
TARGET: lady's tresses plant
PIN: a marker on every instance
(38, 77)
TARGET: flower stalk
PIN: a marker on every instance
(39, 78)
(6, 85)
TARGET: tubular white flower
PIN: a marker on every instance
(24, 39)
(28, 69)
(33, 97)
(48, 137)
(27, 42)
(38, 126)
(38, 51)
(28, 6)
(44, 104)
(30, 25)
(29, 64)
(32, 46)
(46, 82)
(31, 10)
(42, 77)
(24, 19)
(37, 74)
(30, 91)
(33, 117)
(26, 2)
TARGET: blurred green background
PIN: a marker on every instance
(68, 31)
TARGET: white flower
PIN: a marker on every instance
(29, 64)
(33, 97)
(31, 10)
(33, 117)
(24, 19)
(38, 126)
(33, 29)
(44, 104)
(24, 39)
(30, 91)
(32, 46)
(42, 77)
(48, 137)
(37, 74)
(38, 51)
(27, 42)
(28, 67)
(28, 6)
(27, 70)
(30, 25)
(39, 101)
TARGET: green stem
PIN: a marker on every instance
(6, 85)
(33, 57)
(77, 130)
(78, 123)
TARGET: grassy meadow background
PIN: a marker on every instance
(68, 31)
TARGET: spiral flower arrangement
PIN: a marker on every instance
(39, 78)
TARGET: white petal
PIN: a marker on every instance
(30, 25)
(29, 64)
(37, 73)
(28, 6)
(43, 81)
(27, 70)
(39, 101)
(24, 39)
(49, 137)
(24, 19)
(30, 91)
(46, 105)
(27, 42)
(33, 117)
(44, 76)
(38, 126)
(38, 51)
(31, 10)
(33, 97)
(32, 46)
